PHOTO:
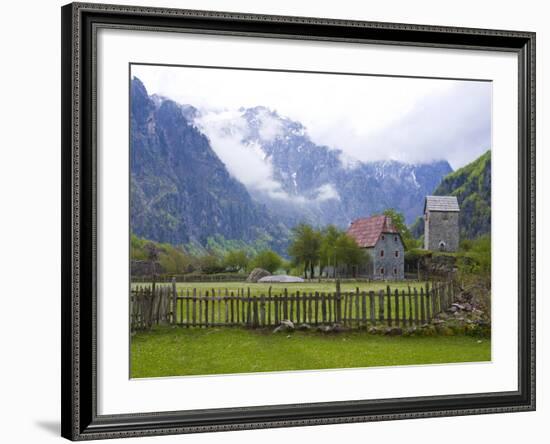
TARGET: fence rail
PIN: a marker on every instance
(360, 309)
(166, 279)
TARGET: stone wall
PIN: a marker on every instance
(392, 262)
(441, 227)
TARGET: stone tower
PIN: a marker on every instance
(441, 231)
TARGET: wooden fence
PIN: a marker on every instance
(359, 309)
(167, 278)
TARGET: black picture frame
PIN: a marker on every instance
(80, 420)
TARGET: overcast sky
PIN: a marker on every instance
(367, 117)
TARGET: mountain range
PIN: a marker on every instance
(251, 175)
(180, 190)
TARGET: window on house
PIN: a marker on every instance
(396, 253)
(383, 237)
(395, 271)
(395, 238)
(382, 270)
(381, 253)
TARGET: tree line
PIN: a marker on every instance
(312, 251)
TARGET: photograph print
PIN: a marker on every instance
(290, 220)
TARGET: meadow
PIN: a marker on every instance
(176, 351)
(257, 289)
(184, 349)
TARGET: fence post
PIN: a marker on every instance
(416, 314)
(151, 308)
(357, 307)
(187, 311)
(262, 310)
(338, 303)
(269, 308)
(276, 304)
(422, 306)
(298, 307)
(316, 308)
(219, 307)
(248, 311)
(194, 307)
(364, 309)
(396, 292)
(372, 311)
(174, 302)
(381, 306)
(200, 308)
(429, 300)
(132, 305)
(404, 309)
(226, 309)
(389, 305)
(434, 298)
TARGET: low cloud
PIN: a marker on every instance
(454, 125)
(246, 161)
(270, 127)
(367, 117)
(326, 192)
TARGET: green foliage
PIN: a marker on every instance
(172, 260)
(347, 252)
(474, 269)
(476, 260)
(417, 230)
(268, 260)
(236, 260)
(414, 257)
(415, 254)
(398, 221)
(327, 251)
(305, 247)
(329, 247)
(472, 187)
(466, 244)
(211, 263)
(137, 248)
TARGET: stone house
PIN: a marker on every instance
(383, 243)
(441, 229)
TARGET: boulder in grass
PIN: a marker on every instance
(281, 278)
(285, 326)
(256, 274)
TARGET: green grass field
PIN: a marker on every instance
(258, 289)
(169, 351)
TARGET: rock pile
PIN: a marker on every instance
(256, 274)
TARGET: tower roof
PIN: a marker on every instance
(367, 230)
(441, 203)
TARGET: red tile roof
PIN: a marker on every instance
(367, 230)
